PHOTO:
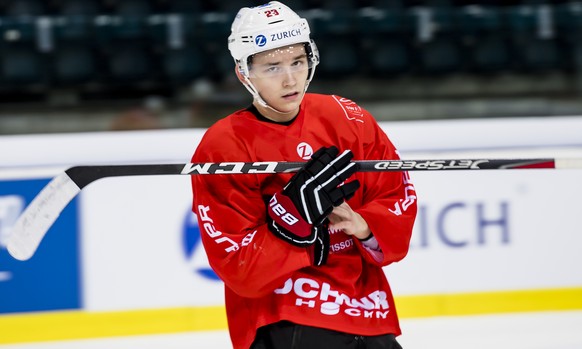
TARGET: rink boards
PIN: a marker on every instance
(125, 257)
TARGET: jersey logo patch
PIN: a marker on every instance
(352, 111)
(304, 150)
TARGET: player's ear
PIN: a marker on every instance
(239, 74)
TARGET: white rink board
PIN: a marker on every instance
(133, 248)
(132, 229)
(530, 238)
(501, 230)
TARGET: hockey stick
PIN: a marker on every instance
(41, 213)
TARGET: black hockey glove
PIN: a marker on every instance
(310, 195)
(320, 249)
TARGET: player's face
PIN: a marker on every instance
(280, 76)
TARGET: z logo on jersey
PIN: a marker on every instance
(304, 150)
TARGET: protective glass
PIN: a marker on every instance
(281, 61)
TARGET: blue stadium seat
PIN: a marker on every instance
(74, 65)
(386, 57)
(128, 21)
(21, 66)
(73, 28)
(440, 56)
(438, 41)
(339, 58)
(475, 20)
(174, 30)
(184, 65)
(130, 64)
(18, 30)
(533, 37)
(392, 22)
(386, 33)
(484, 38)
(491, 55)
(221, 65)
(21, 58)
(329, 21)
(215, 26)
(541, 55)
(568, 19)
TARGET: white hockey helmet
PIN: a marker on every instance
(266, 27)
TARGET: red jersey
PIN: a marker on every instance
(267, 279)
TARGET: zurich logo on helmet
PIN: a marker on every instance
(192, 248)
(260, 40)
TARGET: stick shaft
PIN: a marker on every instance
(83, 175)
(42, 212)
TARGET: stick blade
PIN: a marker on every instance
(569, 163)
(39, 216)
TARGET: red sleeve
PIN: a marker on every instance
(232, 218)
(389, 199)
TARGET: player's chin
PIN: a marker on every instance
(289, 104)
(288, 107)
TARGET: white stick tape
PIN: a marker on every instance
(39, 216)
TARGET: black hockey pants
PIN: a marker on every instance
(287, 335)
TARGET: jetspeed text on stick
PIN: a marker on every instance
(429, 164)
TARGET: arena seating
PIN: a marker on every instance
(170, 43)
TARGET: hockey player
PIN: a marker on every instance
(301, 255)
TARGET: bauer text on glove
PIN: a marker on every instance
(310, 196)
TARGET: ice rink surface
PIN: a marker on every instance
(542, 330)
